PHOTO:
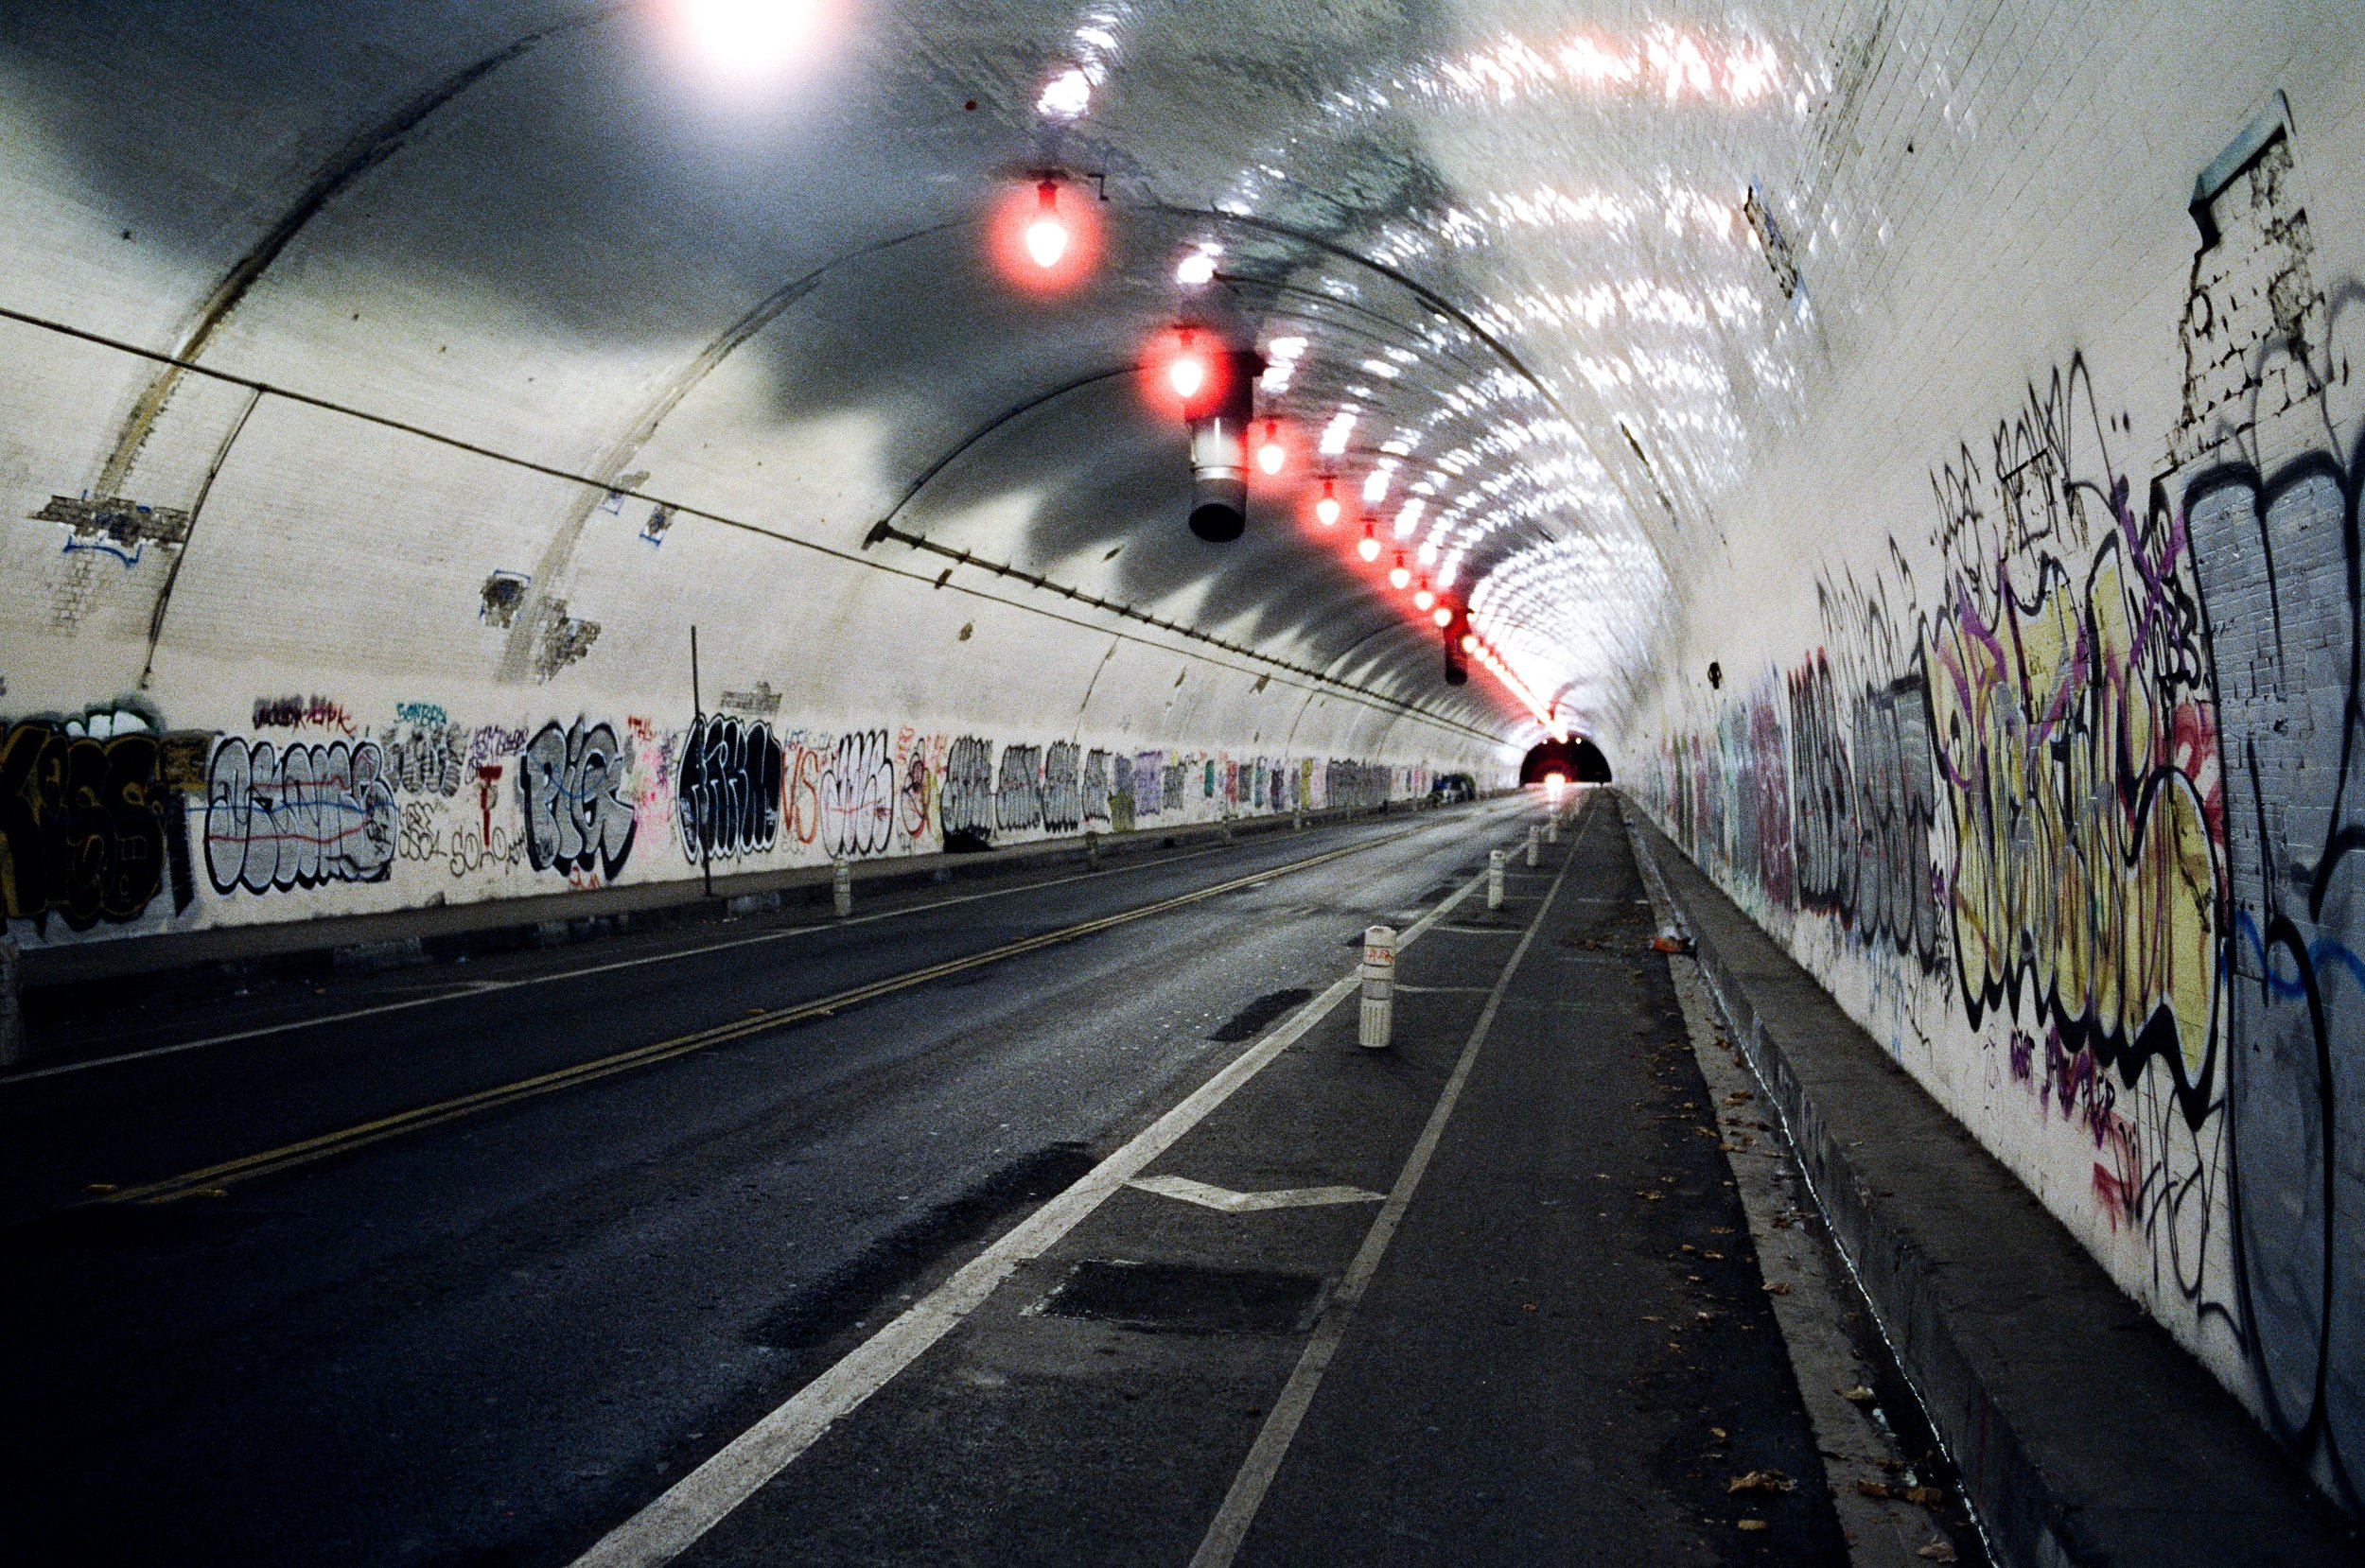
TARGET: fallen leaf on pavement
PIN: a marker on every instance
(1749, 1524)
(1937, 1551)
(1760, 1480)
(1776, 1287)
(1858, 1395)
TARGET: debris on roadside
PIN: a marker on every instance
(1760, 1480)
(1924, 1497)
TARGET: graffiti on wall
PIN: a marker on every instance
(92, 827)
(858, 796)
(966, 805)
(570, 784)
(298, 815)
(728, 784)
(2095, 798)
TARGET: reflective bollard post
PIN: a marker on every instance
(1535, 849)
(1379, 986)
(1552, 828)
(1494, 879)
(842, 888)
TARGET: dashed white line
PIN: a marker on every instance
(695, 1505)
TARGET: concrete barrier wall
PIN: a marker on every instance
(2044, 746)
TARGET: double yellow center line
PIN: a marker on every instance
(215, 1181)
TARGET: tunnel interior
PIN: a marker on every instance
(518, 465)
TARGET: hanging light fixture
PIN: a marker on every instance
(1326, 510)
(1368, 547)
(1047, 237)
(1443, 615)
(1399, 574)
(1422, 597)
(1187, 374)
(1270, 456)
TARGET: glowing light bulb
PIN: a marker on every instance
(1399, 574)
(1443, 615)
(1047, 237)
(749, 40)
(1328, 508)
(1368, 547)
(1269, 457)
(1469, 642)
(1066, 95)
(1197, 270)
(1422, 597)
(1188, 376)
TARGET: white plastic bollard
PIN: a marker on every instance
(1092, 851)
(1379, 986)
(1552, 828)
(1494, 879)
(842, 888)
(1535, 849)
(1297, 819)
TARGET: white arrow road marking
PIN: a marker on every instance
(1250, 1203)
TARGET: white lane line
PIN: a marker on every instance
(1230, 1526)
(482, 987)
(1230, 1202)
(700, 1500)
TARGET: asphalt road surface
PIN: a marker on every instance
(474, 1264)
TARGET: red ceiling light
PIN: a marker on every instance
(1422, 597)
(1443, 615)
(1041, 244)
(1186, 372)
(1327, 509)
(1270, 454)
(1368, 547)
(1469, 642)
(1047, 237)
(1399, 574)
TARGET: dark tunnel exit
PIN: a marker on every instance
(1576, 759)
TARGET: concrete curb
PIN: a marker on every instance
(208, 961)
(2084, 1435)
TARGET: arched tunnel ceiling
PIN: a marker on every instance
(1512, 239)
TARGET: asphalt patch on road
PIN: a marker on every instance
(1250, 1021)
(1186, 1297)
(814, 1315)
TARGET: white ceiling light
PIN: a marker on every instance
(1064, 97)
